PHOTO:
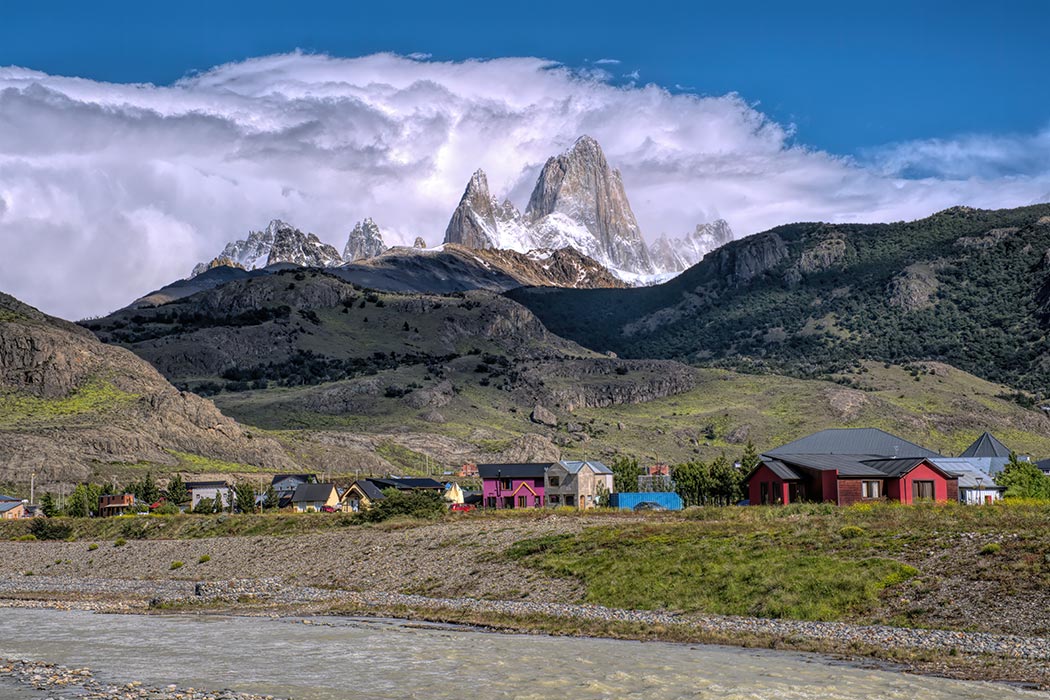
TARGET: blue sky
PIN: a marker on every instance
(850, 76)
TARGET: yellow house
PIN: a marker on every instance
(12, 510)
(315, 497)
(360, 496)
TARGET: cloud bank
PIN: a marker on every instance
(108, 191)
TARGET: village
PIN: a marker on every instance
(836, 466)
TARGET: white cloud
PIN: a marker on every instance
(108, 191)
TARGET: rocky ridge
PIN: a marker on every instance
(365, 241)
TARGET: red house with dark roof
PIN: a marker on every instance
(847, 466)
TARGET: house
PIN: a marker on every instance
(315, 497)
(513, 485)
(976, 487)
(365, 492)
(577, 484)
(988, 454)
(116, 505)
(12, 510)
(199, 490)
(850, 465)
(468, 471)
(285, 484)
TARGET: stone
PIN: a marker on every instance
(543, 416)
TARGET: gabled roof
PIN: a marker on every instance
(574, 466)
(302, 478)
(369, 489)
(986, 446)
(306, 493)
(9, 498)
(845, 465)
(782, 470)
(408, 483)
(191, 485)
(853, 441)
(530, 470)
(9, 505)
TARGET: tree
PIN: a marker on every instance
(243, 495)
(725, 482)
(1023, 480)
(47, 505)
(413, 504)
(83, 502)
(601, 495)
(750, 459)
(176, 493)
(205, 505)
(270, 499)
(625, 474)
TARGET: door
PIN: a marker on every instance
(922, 490)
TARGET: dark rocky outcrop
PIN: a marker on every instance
(751, 257)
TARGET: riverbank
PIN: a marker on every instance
(30, 680)
(959, 655)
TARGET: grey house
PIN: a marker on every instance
(577, 484)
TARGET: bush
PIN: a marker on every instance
(92, 547)
(167, 509)
(120, 542)
(414, 504)
(175, 565)
(26, 538)
(134, 530)
(851, 531)
(48, 529)
(991, 548)
(204, 559)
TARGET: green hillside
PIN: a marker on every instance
(966, 287)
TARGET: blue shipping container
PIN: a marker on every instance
(627, 501)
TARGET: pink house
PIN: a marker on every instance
(513, 485)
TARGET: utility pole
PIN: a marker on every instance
(32, 487)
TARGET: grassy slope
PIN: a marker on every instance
(944, 411)
(910, 566)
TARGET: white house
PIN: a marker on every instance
(209, 489)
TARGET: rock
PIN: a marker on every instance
(473, 223)
(531, 448)
(543, 416)
(739, 434)
(677, 254)
(440, 394)
(420, 243)
(621, 426)
(277, 243)
(365, 241)
(574, 427)
(824, 255)
(433, 417)
(751, 257)
(912, 289)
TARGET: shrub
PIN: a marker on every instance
(92, 547)
(413, 504)
(167, 509)
(204, 559)
(991, 548)
(120, 542)
(175, 565)
(851, 531)
(134, 530)
(48, 529)
(26, 538)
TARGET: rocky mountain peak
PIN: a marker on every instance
(420, 243)
(678, 254)
(579, 186)
(473, 224)
(278, 242)
(365, 241)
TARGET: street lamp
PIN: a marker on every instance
(979, 480)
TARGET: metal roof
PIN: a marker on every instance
(574, 466)
(782, 470)
(845, 465)
(986, 446)
(968, 473)
(305, 493)
(408, 483)
(9, 498)
(302, 478)
(191, 485)
(369, 489)
(853, 441)
(9, 505)
(529, 470)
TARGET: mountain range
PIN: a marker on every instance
(578, 203)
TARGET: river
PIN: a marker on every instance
(339, 658)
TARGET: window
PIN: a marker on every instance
(521, 501)
(555, 481)
(506, 484)
(492, 502)
(922, 490)
(764, 490)
(553, 499)
(538, 503)
(871, 489)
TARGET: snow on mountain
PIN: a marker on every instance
(678, 254)
(365, 241)
(279, 242)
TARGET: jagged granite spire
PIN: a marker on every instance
(473, 224)
(365, 241)
(278, 242)
(677, 254)
(578, 189)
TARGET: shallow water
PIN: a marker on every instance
(340, 658)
